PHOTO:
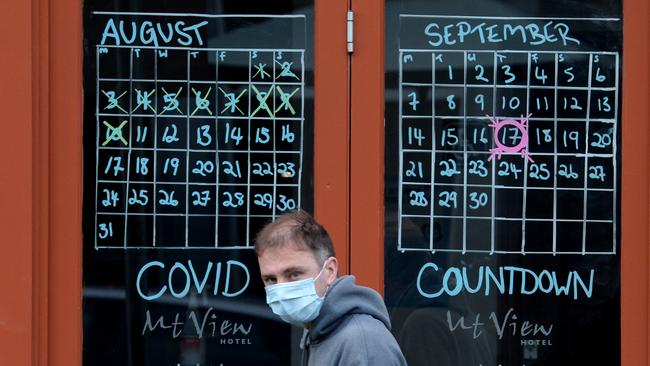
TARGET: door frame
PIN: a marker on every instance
(41, 314)
(41, 322)
(367, 159)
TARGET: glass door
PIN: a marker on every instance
(503, 173)
(198, 129)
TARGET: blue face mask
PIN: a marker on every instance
(295, 302)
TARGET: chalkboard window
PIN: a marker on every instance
(502, 181)
(198, 130)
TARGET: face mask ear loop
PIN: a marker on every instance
(321, 270)
(320, 273)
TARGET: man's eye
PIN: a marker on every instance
(295, 275)
(269, 281)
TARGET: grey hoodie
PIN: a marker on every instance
(352, 328)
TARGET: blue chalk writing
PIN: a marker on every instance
(203, 137)
(286, 69)
(233, 200)
(201, 198)
(182, 277)
(230, 169)
(287, 135)
(204, 168)
(113, 100)
(260, 71)
(168, 198)
(530, 34)
(144, 100)
(114, 133)
(202, 103)
(232, 101)
(139, 197)
(112, 197)
(172, 100)
(286, 99)
(261, 97)
(414, 101)
(505, 280)
(150, 33)
(170, 134)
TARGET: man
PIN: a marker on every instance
(344, 324)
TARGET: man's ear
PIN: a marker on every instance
(332, 269)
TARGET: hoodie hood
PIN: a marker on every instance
(342, 299)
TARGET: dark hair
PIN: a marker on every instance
(297, 228)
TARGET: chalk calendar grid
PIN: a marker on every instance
(508, 151)
(195, 146)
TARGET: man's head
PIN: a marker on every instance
(295, 247)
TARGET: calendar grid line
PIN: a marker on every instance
(510, 86)
(178, 247)
(275, 163)
(201, 49)
(443, 250)
(302, 122)
(218, 117)
(569, 52)
(503, 218)
(541, 165)
(198, 81)
(248, 185)
(503, 17)
(494, 164)
(555, 61)
(464, 153)
(244, 151)
(97, 133)
(584, 207)
(527, 127)
(434, 143)
(181, 214)
(217, 107)
(187, 155)
(128, 163)
(614, 151)
(170, 143)
(202, 183)
(401, 165)
(514, 187)
(537, 119)
(155, 158)
(589, 155)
